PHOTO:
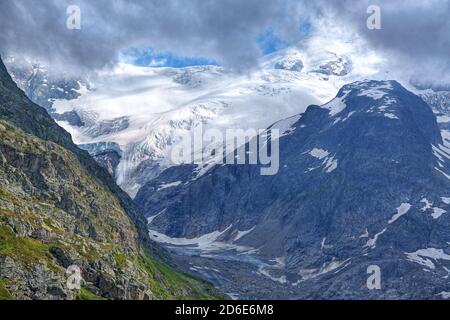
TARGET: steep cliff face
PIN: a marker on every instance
(59, 208)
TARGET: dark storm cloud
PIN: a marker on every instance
(415, 35)
(223, 30)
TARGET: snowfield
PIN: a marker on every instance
(146, 110)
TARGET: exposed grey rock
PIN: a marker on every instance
(290, 64)
(71, 117)
(339, 67)
(107, 127)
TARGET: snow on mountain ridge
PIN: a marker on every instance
(146, 110)
(160, 109)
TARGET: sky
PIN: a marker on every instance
(231, 33)
(148, 57)
(224, 31)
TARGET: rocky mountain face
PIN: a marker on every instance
(364, 180)
(59, 208)
(440, 102)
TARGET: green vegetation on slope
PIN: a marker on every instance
(28, 250)
(4, 293)
(166, 283)
(85, 294)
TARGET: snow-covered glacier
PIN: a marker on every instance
(145, 111)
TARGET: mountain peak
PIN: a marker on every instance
(355, 174)
(386, 101)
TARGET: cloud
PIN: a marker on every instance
(415, 35)
(224, 31)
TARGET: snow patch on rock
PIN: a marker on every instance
(401, 210)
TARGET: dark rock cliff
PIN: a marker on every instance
(363, 180)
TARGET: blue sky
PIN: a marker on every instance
(147, 57)
(268, 42)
